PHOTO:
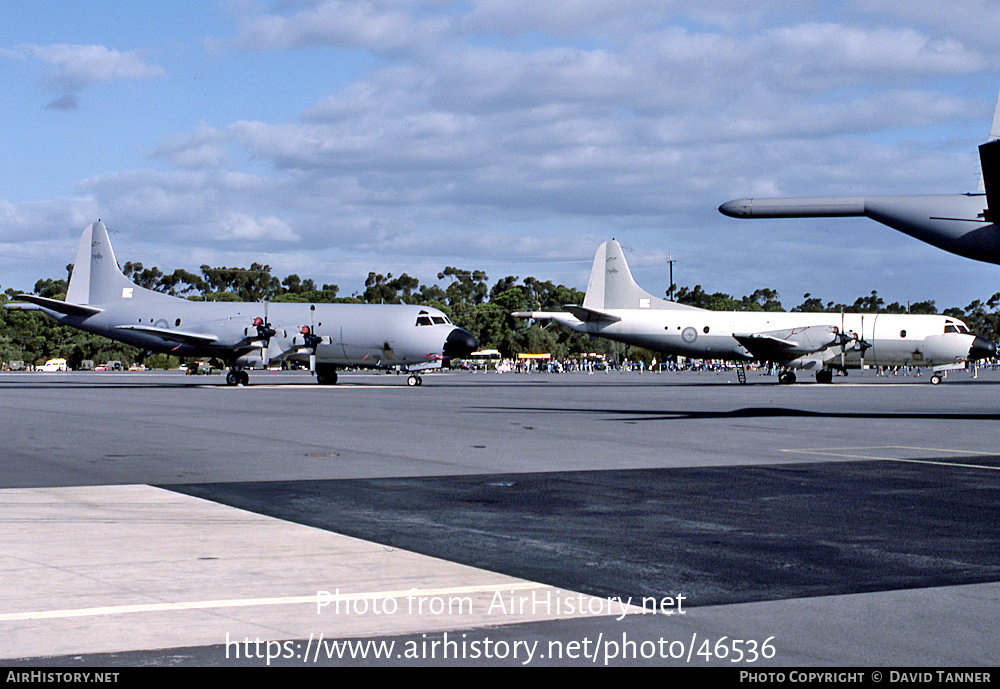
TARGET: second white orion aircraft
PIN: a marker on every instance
(615, 307)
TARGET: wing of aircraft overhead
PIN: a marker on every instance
(966, 224)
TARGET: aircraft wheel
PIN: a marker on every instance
(825, 376)
(329, 378)
(326, 374)
(413, 380)
(244, 378)
(935, 379)
(786, 378)
(233, 378)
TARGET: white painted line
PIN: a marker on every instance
(314, 599)
(847, 453)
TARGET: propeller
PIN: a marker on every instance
(843, 345)
(861, 343)
(264, 333)
(856, 342)
(310, 338)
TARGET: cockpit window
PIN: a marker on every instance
(964, 329)
(425, 318)
(949, 328)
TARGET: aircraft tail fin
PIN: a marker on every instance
(96, 278)
(994, 135)
(995, 127)
(611, 284)
(989, 158)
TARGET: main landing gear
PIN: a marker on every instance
(326, 374)
(237, 376)
(824, 376)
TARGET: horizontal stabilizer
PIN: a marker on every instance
(196, 339)
(590, 315)
(65, 307)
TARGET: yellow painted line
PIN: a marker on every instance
(830, 452)
(314, 599)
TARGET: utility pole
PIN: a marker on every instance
(671, 260)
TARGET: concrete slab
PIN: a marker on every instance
(123, 568)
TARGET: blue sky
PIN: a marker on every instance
(333, 138)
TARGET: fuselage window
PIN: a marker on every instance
(705, 330)
(177, 322)
(902, 333)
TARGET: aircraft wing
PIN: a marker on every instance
(785, 345)
(590, 315)
(181, 337)
(768, 347)
(68, 308)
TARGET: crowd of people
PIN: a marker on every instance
(598, 365)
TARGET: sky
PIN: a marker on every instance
(329, 139)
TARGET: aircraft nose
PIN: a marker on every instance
(459, 344)
(982, 348)
(739, 208)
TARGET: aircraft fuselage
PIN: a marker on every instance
(351, 334)
(890, 339)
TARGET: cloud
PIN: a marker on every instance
(74, 67)
(239, 227)
(376, 26)
(205, 148)
(505, 130)
(67, 101)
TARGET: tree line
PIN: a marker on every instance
(466, 296)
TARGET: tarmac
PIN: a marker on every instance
(481, 519)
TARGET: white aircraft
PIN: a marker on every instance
(101, 300)
(615, 307)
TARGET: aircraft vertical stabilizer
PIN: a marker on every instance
(611, 284)
(989, 157)
(96, 278)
